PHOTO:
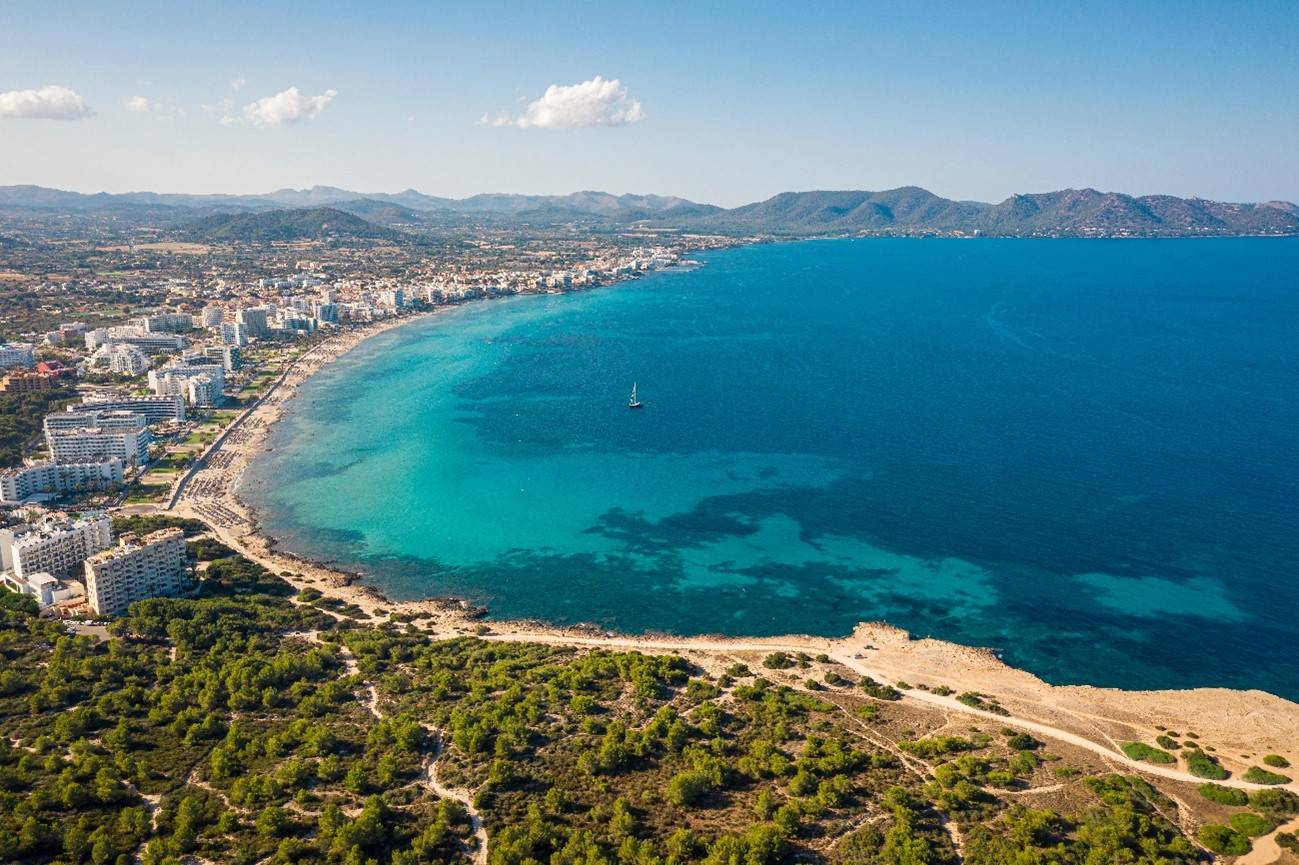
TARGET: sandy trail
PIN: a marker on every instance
(1266, 849)
(430, 774)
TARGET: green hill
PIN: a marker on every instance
(287, 225)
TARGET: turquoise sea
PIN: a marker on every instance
(1084, 453)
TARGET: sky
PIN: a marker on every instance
(718, 102)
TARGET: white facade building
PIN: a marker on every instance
(20, 484)
(137, 568)
(200, 383)
(119, 358)
(256, 319)
(17, 354)
(234, 333)
(47, 589)
(156, 409)
(165, 322)
(112, 435)
(55, 545)
(97, 337)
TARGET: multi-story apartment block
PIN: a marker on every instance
(20, 484)
(56, 544)
(138, 568)
(156, 409)
(17, 354)
(101, 436)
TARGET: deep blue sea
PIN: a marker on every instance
(1084, 453)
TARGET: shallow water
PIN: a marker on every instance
(1081, 452)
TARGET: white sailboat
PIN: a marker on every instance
(633, 402)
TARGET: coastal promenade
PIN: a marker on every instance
(1239, 725)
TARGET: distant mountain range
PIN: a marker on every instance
(907, 210)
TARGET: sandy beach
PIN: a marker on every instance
(1240, 726)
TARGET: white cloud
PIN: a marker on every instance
(287, 106)
(52, 102)
(598, 102)
(141, 105)
(238, 83)
(220, 110)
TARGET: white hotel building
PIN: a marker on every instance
(17, 485)
(55, 545)
(137, 568)
(156, 409)
(96, 436)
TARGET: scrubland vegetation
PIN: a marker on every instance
(254, 725)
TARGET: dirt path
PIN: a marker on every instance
(460, 794)
(1266, 849)
(430, 776)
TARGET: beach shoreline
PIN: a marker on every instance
(1240, 724)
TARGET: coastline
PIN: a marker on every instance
(1239, 724)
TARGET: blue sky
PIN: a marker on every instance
(717, 102)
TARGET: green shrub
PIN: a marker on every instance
(1222, 840)
(1288, 841)
(1168, 743)
(1223, 795)
(688, 787)
(1201, 765)
(1259, 775)
(982, 701)
(878, 691)
(1147, 753)
(1250, 824)
(1021, 741)
(1275, 801)
(1276, 761)
(778, 661)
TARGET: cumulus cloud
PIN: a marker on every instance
(52, 102)
(598, 102)
(141, 105)
(287, 106)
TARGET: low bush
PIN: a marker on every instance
(981, 701)
(1021, 741)
(1223, 840)
(1250, 824)
(878, 691)
(1276, 761)
(1201, 765)
(1223, 795)
(1281, 802)
(1259, 775)
(1147, 753)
